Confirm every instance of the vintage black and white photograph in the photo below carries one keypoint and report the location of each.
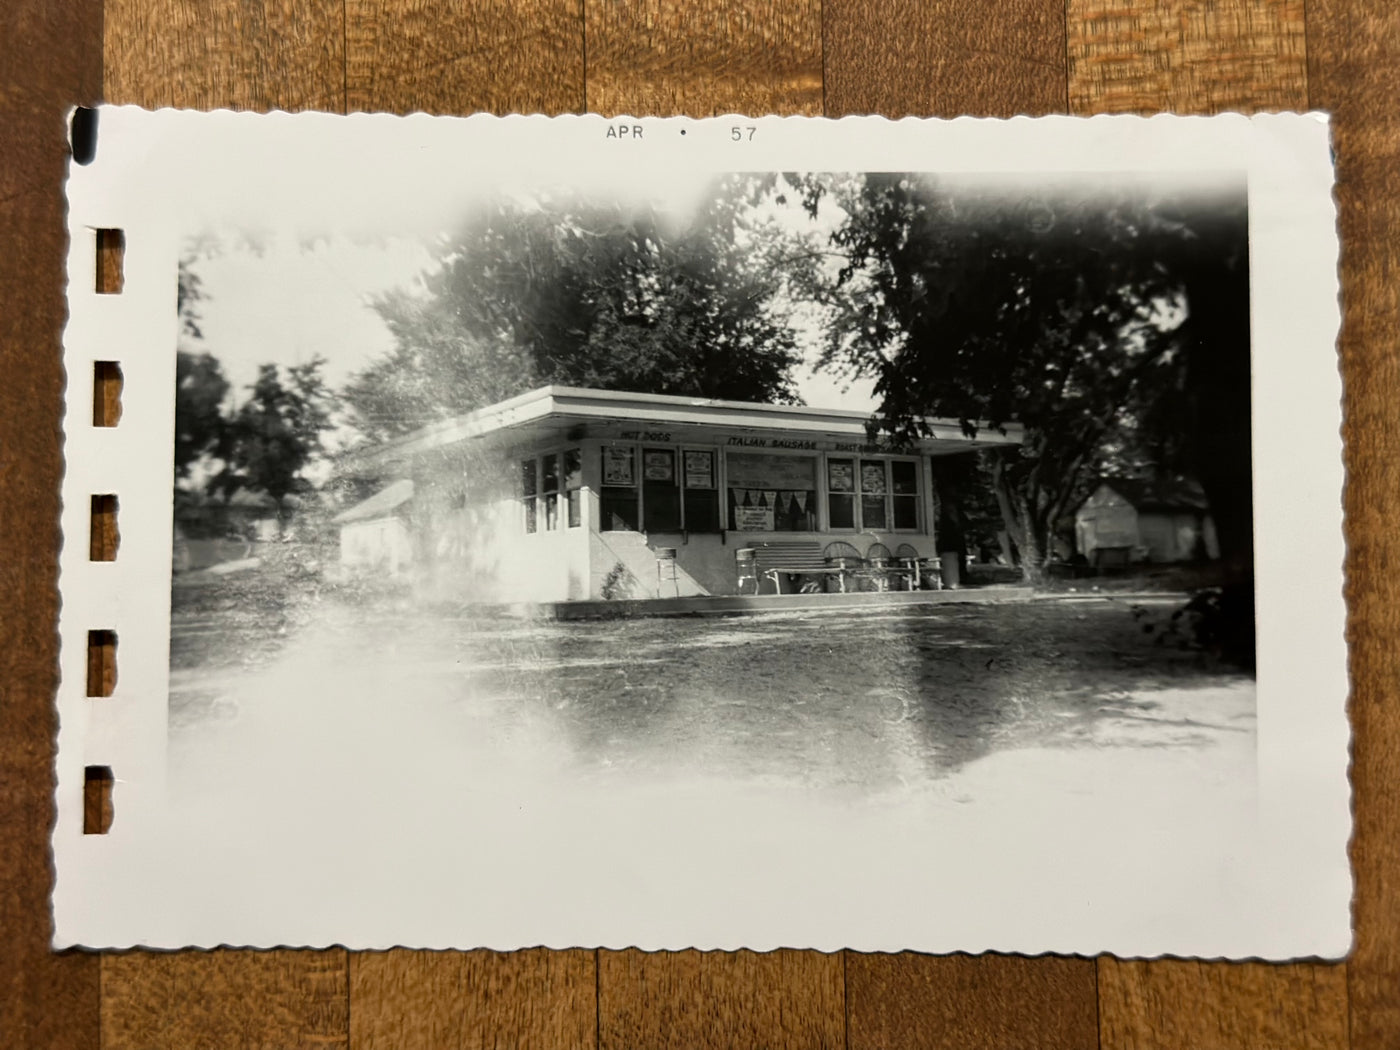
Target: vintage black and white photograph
(724, 554)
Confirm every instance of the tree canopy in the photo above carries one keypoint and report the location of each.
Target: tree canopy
(558, 288)
(276, 434)
(1098, 319)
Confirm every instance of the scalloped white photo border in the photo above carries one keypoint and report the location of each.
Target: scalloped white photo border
(1282, 891)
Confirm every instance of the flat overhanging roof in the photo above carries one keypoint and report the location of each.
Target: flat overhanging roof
(557, 411)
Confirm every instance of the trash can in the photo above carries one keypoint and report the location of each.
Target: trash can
(666, 572)
(952, 568)
(746, 565)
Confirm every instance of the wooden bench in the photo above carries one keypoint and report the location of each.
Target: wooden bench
(776, 558)
(792, 558)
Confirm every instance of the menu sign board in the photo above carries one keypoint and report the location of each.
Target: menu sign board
(659, 465)
(872, 478)
(699, 470)
(840, 476)
(618, 466)
(753, 519)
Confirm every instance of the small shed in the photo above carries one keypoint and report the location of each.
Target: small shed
(1145, 521)
(375, 533)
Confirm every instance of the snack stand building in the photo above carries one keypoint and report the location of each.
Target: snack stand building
(565, 493)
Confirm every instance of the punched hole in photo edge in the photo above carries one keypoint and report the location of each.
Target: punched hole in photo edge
(104, 538)
(111, 250)
(98, 809)
(106, 393)
(82, 135)
(101, 663)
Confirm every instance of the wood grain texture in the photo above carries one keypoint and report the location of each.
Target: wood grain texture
(964, 1002)
(1192, 57)
(894, 57)
(151, 1001)
(1234, 1006)
(50, 59)
(1201, 57)
(106, 393)
(103, 536)
(111, 250)
(944, 58)
(781, 999)
(101, 662)
(498, 56)
(1185, 56)
(403, 1000)
(704, 57)
(240, 54)
(98, 809)
(1353, 70)
(663, 57)
(235, 54)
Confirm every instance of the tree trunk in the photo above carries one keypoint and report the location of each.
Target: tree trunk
(1020, 526)
(1032, 553)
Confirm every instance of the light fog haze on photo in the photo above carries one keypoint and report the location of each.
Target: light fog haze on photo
(365, 681)
(693, 542)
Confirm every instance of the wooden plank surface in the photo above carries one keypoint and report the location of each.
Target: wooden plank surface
(1353, 70)
(782, 999)
(1193, 57)
(970, 1002)
(179, 1000)
(1225, 1006)
(212, 54)
(1186, 56)
(891, 56)
(50, 59)
(405, 1000)
(496, 56)
(501, 56)
(945, 59)
(704, 57)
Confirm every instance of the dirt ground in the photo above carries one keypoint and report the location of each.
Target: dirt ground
(867, 698)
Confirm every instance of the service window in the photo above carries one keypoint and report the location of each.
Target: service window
(661, 492)
(549, 491)
(874, 495)
(904, 486)
(617, 500)
(573, 486)
(529, 489)
(841, 493)
(701, 492)
(771, 492)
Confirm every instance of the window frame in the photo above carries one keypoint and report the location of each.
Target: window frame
(639, 486)
(544, 498)
(858, 494)
(815, 456)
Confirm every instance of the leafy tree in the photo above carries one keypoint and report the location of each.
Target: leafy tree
(200, 391)
(567, 290)
(200, 385)
(1080, 315)
(276, 434)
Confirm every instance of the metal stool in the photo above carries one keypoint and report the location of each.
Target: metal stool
(666, 570)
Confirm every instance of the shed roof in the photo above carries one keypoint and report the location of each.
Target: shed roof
(1169, 494)
(380, 505)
